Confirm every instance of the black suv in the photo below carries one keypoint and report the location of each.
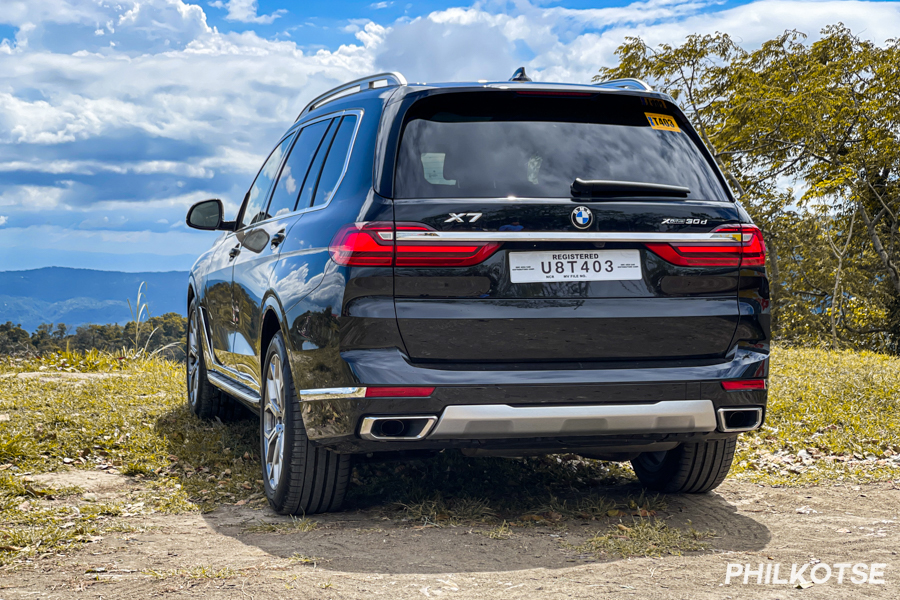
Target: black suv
(507, 269)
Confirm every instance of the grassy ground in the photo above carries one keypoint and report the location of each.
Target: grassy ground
(832, 416)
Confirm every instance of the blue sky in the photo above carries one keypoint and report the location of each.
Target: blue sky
(116, 115)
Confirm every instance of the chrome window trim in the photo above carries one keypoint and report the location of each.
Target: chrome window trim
(564, 236)
(240, 215)
(359, 117)
(295, 130)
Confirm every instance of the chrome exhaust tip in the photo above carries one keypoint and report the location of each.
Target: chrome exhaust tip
(739, 418)
(396, 428)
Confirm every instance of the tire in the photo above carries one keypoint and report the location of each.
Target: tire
(204, 399)
(299, 478)
(687, 469)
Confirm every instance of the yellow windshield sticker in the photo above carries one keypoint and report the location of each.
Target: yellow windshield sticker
(662, 122)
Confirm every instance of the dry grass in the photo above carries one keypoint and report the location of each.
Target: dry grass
(196, 572)
(644, 537)
(832, 416)
(296, 525)
(100, 413)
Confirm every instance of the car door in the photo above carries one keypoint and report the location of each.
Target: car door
(261, 237)
(252, 212)
(217, 304)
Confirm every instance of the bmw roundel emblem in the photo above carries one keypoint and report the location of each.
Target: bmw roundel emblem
(582, 217)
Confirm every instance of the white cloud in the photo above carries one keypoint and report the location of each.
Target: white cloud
(92, 167)
(381, 5)
(177, 111)
(3, 219)
(33, 197)
(245, 11)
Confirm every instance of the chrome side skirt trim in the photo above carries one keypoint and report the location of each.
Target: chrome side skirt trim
(232, 388)
(504, 421)
(565, 236)
(332, 393)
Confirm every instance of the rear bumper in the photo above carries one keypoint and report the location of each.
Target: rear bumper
(538, 408)
(501, 421)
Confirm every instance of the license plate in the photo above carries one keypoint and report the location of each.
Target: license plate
(597, 265)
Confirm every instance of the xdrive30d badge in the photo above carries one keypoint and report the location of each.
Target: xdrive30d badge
(503, 269)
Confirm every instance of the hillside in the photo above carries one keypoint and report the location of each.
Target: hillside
(79, 296)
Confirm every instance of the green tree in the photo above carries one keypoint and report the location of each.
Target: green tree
(14, 339)
(825, 116)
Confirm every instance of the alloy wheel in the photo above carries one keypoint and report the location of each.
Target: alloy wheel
(193, 361)
(273, 421)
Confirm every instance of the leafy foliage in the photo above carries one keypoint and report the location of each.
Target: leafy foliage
(164, 334)
(823, 117)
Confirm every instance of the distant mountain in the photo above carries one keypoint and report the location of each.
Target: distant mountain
(79, 296)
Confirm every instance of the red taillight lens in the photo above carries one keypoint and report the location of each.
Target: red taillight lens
(374, 245)
(439, 254)
(744, 385)
(750, 251)
(398, 392)
(364, 245)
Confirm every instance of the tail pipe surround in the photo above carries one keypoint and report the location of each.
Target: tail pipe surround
(739, 418)
(396, 427)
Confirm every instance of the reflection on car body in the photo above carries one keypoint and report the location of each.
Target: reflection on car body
(509, 268)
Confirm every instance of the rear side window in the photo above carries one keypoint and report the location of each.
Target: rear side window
(494, 145)
(259, 191)
(287, 190)
(312, 177)
(337, 158)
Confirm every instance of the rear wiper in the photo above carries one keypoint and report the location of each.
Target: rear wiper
(604, 187)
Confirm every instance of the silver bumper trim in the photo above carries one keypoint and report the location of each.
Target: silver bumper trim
(504, 421)
(332, 393)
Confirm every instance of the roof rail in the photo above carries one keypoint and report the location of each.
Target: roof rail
(629, 83)
(365, 83)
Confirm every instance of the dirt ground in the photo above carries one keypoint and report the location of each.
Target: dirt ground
(223, 554)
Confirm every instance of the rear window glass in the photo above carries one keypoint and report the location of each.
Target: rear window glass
(494, 145)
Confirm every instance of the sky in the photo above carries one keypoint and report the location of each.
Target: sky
(117, 115)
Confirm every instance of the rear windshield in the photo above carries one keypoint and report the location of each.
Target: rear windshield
(499, 144)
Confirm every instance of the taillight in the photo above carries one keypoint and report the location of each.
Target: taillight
(399, 392)
(374, 245)
(364, 245)
(746, 250)
(743, 385)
